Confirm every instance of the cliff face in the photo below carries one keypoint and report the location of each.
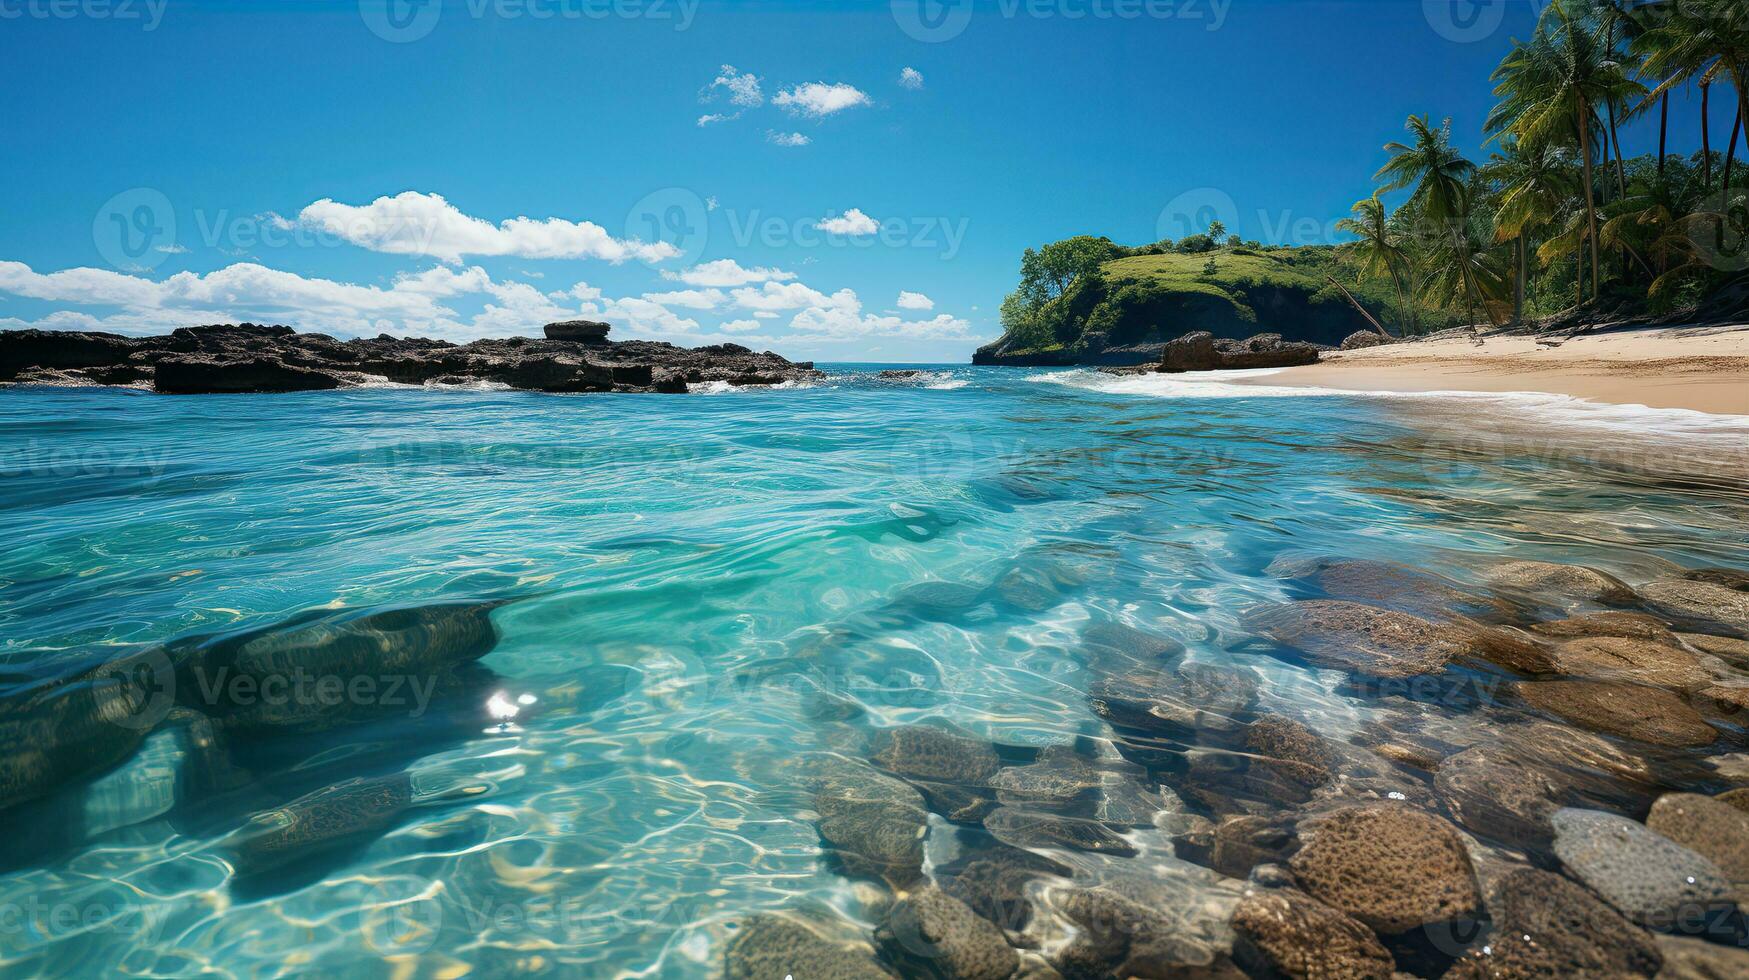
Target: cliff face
(1125, 315)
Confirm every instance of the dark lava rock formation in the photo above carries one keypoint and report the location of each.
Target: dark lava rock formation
(576, 356)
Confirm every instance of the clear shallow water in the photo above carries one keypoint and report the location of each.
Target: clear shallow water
(684, 576)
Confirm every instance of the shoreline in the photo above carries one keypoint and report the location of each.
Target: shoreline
(1698, 369)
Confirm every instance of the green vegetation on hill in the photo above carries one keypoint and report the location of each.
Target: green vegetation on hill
(1124, 298)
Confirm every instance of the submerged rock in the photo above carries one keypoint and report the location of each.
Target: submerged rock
(1386, 584)
(318, 822)
(324, 668)
(1546, 926)
(1701, 602)
(1305, 939)
(62, 727)
(1697, 959)
(1362, 639)
(1630, 660)
(992, 879)
(1388, 865)
(1649, 878)
(1730, 578)
(1172, 922)
(954, 770)
(1645, 714)
(929, 932)
(1177, 703)
(1495, 795)
(1031, 829)
(1540, 581)
(1715, 830)
(769, 946)
(873, 824)
(1637, 626)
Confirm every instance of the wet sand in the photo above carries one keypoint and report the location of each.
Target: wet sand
(1702, 369)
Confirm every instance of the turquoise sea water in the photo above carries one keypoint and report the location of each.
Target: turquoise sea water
(686, 581)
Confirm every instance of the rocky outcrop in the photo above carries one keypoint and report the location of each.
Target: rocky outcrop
(576, 356)
(1362, 339)
(1201, 351)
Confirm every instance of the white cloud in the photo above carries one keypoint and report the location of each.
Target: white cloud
(715, 117)
(852, 222)
(915, 301)
(724, 273)
(692, 299)
(413, 304)
(817, 99)
(414, 223)
(773, 296)
(644, 318)
(911, 78)
(739, 326)
(742, 88)
(786, 139)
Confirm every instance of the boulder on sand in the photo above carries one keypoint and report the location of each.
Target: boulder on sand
(1362, 339)
(1201, 351)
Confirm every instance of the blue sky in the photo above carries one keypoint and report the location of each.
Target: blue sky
(172, 162)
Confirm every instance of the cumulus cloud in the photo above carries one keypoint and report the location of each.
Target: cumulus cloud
(911, 78)
(915, 301)
(643, 317)
(739, 326)
(818, 99)
(415, 223)
(692, 299)
(741, 87)
(413, 303)
(774, 296)
(852, 222)
(724, 273)
(786, 139)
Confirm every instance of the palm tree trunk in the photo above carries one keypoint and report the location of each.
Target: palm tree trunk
(1663, 133)
(1731, 161)
(1590, 197)
(1518, 286)
(1706, 137)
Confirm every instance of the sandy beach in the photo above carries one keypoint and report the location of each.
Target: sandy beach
(1703, 369)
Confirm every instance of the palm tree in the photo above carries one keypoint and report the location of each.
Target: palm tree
(1654, 223)
(1376, 251)
(1533, 179)
(1706, 40)
(1440, 176)
(1551, 86)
